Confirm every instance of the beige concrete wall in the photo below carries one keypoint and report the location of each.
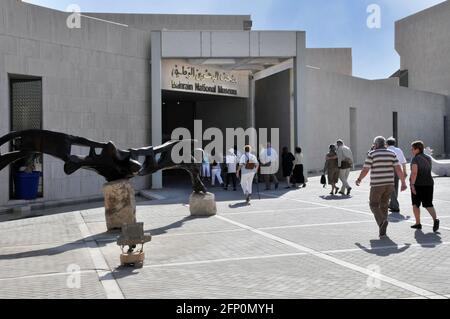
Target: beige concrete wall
(423, 42)
(337, 60)
(95, 84)
(329, 97)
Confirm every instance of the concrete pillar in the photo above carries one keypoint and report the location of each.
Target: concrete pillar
(300, 112)
(156, 100)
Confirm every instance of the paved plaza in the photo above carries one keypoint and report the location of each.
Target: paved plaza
(290, 244)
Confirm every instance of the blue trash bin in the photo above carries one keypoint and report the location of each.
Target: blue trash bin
(26, 185)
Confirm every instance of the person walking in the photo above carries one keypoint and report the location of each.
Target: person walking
(298, 176)
(287, 163)
(383, 165)
(394, 205)
(345, 164)
(269, 166)
(422, 185)
(206, 169)
(332, 169)
(231, 161)
(248, 166)
(216, 173)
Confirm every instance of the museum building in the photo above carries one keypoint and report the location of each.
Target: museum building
(134, 78)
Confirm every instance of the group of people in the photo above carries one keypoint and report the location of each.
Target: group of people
(246, 166)
(387, 165)
(338, 165)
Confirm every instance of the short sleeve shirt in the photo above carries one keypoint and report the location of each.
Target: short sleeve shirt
(382, 163)
(424, 164)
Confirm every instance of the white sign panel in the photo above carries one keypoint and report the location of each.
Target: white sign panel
(178, 75)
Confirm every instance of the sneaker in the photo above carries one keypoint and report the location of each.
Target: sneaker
(436, 225)
(304, 185)
(383, 228)
(349, 191)
(417, 226)
(394, 211)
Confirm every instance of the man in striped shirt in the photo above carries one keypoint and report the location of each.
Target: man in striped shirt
(383, 165)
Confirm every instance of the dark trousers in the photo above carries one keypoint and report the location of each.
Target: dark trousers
(233, 178)
(394, 204)
(268, 177)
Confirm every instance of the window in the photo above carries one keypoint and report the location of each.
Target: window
(26, 113)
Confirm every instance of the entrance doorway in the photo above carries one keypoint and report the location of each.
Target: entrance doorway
(180, 110)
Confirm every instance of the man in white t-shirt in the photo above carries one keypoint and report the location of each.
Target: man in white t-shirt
(248, 165)
(394, 205)
(269, 165)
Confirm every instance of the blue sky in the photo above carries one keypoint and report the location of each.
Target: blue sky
(328, 23)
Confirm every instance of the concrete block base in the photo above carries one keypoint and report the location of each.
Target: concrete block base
(202, 205)
(120, 204)
(134, 259)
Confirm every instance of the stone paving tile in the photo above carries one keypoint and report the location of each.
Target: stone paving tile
(298, 277)
(54, 287)
(426, 267)
(347, 236)
(39, 233)
(192, 248)
(42, 259)
(298, 217)
(209, 258)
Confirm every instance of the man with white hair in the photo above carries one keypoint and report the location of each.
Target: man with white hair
(394, 205)
(383, 165)
(345, 164)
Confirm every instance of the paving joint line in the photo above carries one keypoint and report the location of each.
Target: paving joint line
(106, 278)
(403, 285)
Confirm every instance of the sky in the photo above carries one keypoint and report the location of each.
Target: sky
(328, 23)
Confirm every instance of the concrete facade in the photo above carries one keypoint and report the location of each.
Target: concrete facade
(423, 43)
(103, 82)
(338, 60)
(96, 83)
(420, 115)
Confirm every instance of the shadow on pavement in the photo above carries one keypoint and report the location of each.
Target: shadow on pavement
(429, 240)
(335, 197)
(383, 247)
(398, 218)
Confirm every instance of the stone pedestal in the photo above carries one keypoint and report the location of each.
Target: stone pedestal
(120, 204)
(134, 259)
(202, 205)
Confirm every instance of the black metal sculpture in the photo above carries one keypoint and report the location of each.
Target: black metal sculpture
(104, 158)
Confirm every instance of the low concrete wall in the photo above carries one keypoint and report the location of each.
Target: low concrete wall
(329, 97)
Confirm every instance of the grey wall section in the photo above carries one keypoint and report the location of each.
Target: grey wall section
(153, 22)
(337, 60)
(96, 84)
(420, 114)
(272, 105)
(423, 42)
